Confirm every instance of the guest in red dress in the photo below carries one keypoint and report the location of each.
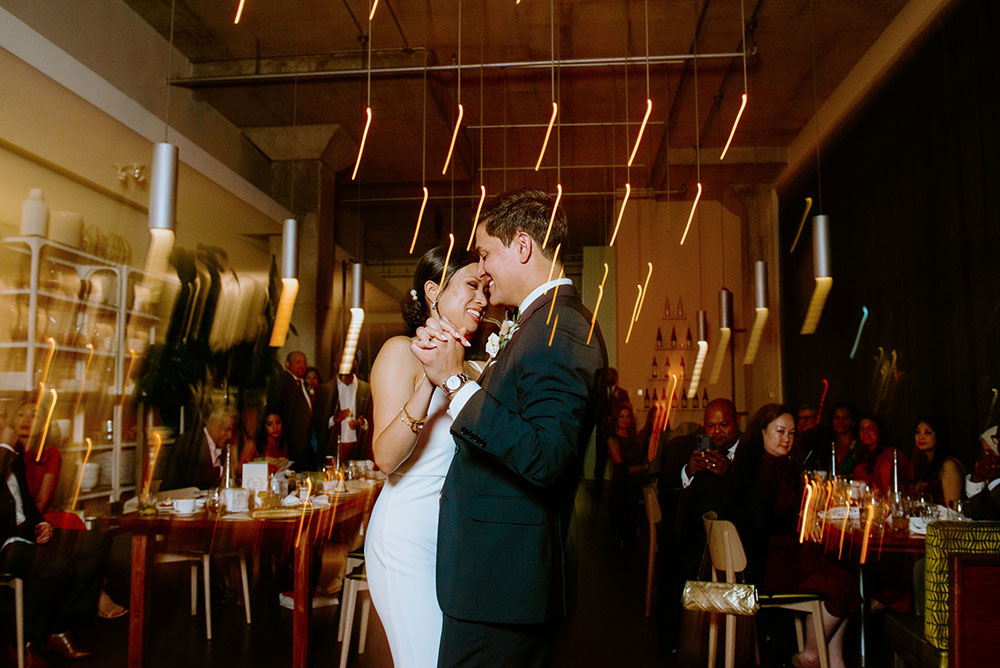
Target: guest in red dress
(763, 498)
(937, 476)
(873, 457)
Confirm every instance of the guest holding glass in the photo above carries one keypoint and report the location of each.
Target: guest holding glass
(937, 476)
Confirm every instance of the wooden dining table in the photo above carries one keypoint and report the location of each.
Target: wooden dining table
(301, 534)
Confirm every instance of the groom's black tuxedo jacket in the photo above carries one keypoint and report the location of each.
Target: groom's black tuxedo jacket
(508, 497)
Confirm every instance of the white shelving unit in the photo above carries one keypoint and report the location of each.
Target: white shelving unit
(76, 307)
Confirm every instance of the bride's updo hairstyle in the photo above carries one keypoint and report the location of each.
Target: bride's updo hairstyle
(415, 306)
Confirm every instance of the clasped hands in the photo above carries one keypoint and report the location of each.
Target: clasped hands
(440, 347)
(712, 461)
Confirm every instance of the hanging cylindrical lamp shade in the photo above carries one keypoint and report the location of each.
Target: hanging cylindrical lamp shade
(822, 271)
(699, 361)
(725, 332)
(357, 319)
(289, 282)
(163, 187)
(760, 308)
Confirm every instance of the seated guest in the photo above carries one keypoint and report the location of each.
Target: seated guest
(57, 590)
(873, 457)
(200, 460)
(811, 448)
(42, 474)
(267, 442)
(289, 394)
(937, 476)
(983, 485)
(628, 473)
(844, 429)
(763, 497)
(692, 479)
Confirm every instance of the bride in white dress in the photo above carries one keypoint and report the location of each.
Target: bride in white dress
(413, 444)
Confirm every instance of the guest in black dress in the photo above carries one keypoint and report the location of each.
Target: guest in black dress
(763, 497)
(629, 468)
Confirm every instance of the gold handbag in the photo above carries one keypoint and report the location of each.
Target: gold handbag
(722, 597)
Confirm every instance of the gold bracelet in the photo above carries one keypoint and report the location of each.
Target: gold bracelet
(414, 424)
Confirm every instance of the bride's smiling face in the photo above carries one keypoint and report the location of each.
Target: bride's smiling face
(464, 300)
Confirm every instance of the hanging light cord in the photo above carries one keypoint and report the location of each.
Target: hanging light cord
(170, 67)
(812, 47)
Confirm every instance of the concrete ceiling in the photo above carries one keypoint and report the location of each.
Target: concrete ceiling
(305, 63)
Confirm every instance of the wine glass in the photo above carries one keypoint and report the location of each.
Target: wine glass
(213, 501)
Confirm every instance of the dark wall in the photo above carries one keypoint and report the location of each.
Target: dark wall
(912, 188)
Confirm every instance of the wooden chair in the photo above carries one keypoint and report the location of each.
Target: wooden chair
(653, 516)
(355, 582)
(17, 584)
(726, 551)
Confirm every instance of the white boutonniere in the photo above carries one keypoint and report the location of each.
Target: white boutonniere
(497, 342)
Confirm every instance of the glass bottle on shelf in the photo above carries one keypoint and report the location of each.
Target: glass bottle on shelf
(682, 366)
(673, 400)
(653, 400)
(645, 399)
(687, 339)
(666, 307)
(653, 368)
(659, 339)
(666, 366)
(704, 397)
(673, 338)
(684, 397)
(680, 307)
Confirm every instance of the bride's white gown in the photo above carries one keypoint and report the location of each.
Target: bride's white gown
(401, 545)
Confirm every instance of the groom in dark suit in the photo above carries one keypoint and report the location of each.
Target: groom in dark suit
(504, 575)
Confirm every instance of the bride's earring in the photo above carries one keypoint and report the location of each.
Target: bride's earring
(434, 305)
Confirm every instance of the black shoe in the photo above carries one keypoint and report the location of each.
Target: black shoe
(63, 645)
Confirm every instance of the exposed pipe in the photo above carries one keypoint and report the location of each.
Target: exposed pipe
(327, 75)
(636, 194)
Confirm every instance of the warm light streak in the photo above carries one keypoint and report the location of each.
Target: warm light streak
(555, 293)
(447, 259)
(756, 331)
(371, 14)
(628, 191)
(83, 467)
(554, 325)
(802, 223)
(475, 221)
(720, 354)
(642, 128)
(805, 513)
(454, 136)
(861, 326)
(691, 215)
(548, 131)
(283, 314)
(48, 421)
(815, 310)
(843, 528)
(552, 267)
(152, 467)
(739, 114)
(45, 372)
(239, 13)
(555, 208)
(83, 380)
(822, 399)
(420, 217)
(605, 277)
(128, 374)
(593, 318)
(645, 286)
(673, 388)
(351, 341)
(364, 137)
(868, 531)
(635, 309)
(305, 506)
(699, 362)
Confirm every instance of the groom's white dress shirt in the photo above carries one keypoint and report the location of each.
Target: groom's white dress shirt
(470, 388)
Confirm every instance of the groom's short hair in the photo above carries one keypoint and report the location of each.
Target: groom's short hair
(528, 211)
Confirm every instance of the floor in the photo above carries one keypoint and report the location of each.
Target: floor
(608, 627)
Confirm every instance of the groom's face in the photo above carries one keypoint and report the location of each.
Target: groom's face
(498, 262)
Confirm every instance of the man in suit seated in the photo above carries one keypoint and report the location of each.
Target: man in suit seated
(56, 591)
(201, 461)
(692, 482)
(983, 485)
